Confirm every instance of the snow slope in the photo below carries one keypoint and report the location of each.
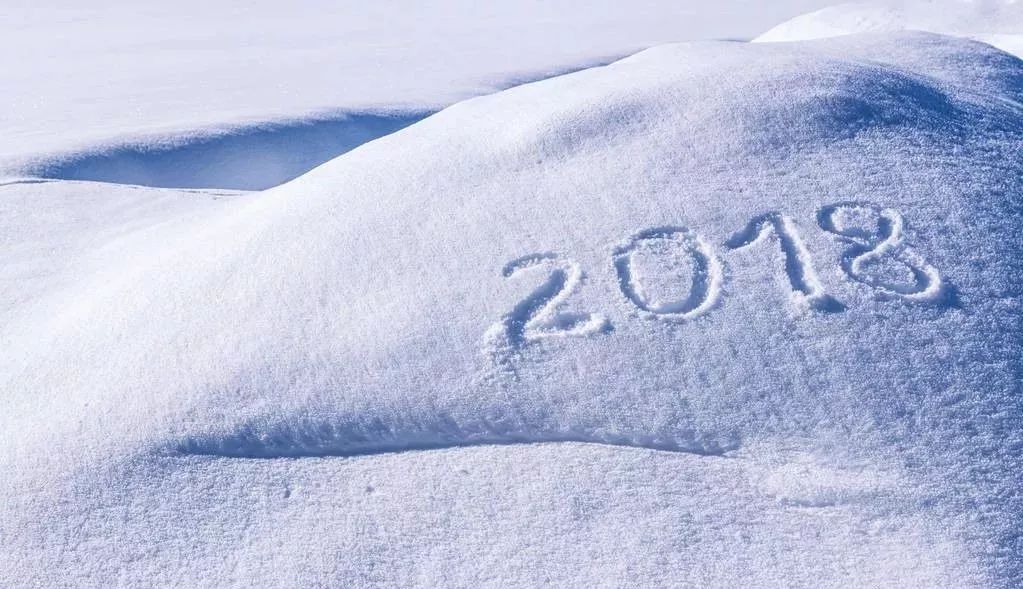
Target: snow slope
(718, 314)
(998, 22)
(48, 227)
(104, 90)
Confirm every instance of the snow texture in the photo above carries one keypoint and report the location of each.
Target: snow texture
(718, 314)
(197, 94)
(998, 22)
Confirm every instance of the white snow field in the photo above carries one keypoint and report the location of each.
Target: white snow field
(246, 95)
(716, 315)
(998, 22)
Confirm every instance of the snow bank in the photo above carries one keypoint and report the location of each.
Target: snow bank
(130, 91)
(717, 314)
(998, 22)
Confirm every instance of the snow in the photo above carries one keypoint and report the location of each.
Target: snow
(998, 22)
(717, 314)
(99, 90)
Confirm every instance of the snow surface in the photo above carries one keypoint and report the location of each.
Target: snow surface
(998, 22)
(103, 90)
(718, 314)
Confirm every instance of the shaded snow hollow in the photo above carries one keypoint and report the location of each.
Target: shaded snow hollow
(792, 268)
(254, 156)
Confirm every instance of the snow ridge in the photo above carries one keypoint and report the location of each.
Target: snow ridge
(308, 439)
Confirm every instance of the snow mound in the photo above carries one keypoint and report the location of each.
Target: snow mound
(997, 22)
(793, 267)
(93, 89)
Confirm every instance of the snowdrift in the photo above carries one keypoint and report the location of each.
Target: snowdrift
(998, 22)
(774, 287)
(102, 91)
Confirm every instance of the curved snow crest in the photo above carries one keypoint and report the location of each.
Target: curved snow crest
(996, 22)
(243, 156)
(348, 311)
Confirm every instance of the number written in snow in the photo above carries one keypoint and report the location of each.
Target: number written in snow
(874, 235)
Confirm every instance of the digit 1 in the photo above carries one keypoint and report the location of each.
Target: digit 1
(806, 287)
